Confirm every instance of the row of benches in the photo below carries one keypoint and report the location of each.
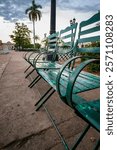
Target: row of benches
(71, 78)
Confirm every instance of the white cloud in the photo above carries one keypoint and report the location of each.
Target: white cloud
(63, 16)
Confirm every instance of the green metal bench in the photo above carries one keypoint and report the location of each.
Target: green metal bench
(31, 57)
(71, 80)
(61, 52)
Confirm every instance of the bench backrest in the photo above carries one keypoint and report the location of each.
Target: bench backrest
(62, 42)
(89, 36)
(67, 37)
(52, 41)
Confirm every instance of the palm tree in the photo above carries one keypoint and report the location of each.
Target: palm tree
(34, 14)
(37, 38)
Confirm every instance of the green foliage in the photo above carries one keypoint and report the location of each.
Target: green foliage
(37, 45)
(94, 67)
(21, 36)
(44, 43)
(62, 44)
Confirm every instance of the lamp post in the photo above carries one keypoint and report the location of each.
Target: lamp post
(73, 21)
(53, 17)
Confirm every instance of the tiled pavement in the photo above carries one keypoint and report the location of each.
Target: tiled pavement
(21, 127)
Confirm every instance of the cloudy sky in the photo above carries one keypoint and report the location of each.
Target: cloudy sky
(12, 11)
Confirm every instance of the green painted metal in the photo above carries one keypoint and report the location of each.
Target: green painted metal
(91, 30)
(70, 28)
(93, 19)
(73, 78)
(68, 36)
(53, 35)
(89, 39)
(89, 113)
(70, 79)
(52, 41)
(47, 65)
(89, 50)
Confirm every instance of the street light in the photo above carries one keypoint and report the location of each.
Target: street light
(72, 21)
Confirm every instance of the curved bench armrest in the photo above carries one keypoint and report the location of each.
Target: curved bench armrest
(73, 78)
(37, 57)
(25, 54)
(28, 55)
(31, 54)
(68, 62)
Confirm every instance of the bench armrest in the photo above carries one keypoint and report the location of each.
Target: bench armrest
(38, 57)
(64, 66)
(27, 54)
(73, 78)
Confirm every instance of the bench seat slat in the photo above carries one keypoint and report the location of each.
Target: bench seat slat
(90, 75)
(47, 78)
(48, 65)
(82, 83)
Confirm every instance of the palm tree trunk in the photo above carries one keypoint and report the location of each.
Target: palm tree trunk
(34, 32)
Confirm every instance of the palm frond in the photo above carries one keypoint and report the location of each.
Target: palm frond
(39, 6)
(30, 16)
(39, 14)
(28, 9)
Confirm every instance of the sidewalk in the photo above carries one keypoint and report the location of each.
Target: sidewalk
(21, 127)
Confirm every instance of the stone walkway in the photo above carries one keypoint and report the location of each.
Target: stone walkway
(21, 127)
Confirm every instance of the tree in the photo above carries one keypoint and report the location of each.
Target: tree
(21, 36)
(34, 14)
(37, 38)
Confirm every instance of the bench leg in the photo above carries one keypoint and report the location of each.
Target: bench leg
(81, 137)
(30, 85)
(29, 73)
(44, 100)
(27, 69)
(56, 128)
